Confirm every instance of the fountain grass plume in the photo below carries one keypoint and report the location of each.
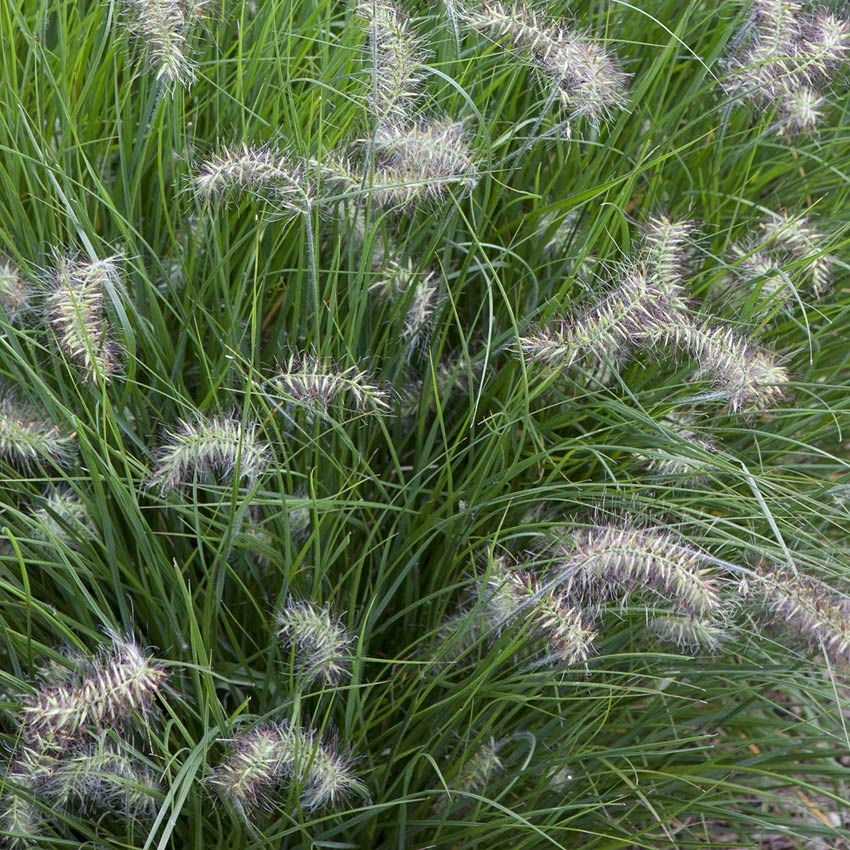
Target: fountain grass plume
(108, 692)
(318, 642)
(218, 449)
(588, 79)
(618, 558)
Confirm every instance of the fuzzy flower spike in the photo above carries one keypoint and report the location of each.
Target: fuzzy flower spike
(107, 692)
(319, 643)
(588, 79)
(218, 449)
(163, 28)
(77, 308)
(619, 558)
(397, 59)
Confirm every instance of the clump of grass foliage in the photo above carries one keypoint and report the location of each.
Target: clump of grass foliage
(424, 425)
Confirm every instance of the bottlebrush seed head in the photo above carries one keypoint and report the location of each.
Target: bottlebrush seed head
(808, 610)
(319, 642)
(749, 379)
(64, 516)
(511, 596)
(77, 309)
(691, 635)
(589, 81)
(162, 27)
(617, 559)
(14, 293)
(397, 57)
(265, 759)
(635, 308)
(110, 691)
(795, 240)
(665, 250)
(218, 449)
(263, 172)
(685, 468)
(476, 774)
(21, 821)
(100, 776)
(258, 761)
(316, 383)
(26, 438)
(323, 773)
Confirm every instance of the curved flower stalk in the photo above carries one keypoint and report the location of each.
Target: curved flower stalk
(319, 643)
(265, 760)
(786, 61)
(617, 559)
(106, 692)
(397, 59)
(610, 328)
(806, 609)
(316, 383)
(77, 309)
(749, 379)
(217, 449)
(587, 78)
(262, 172)
(26, 438)
(163, 29)
(512, 597)
(14, 293)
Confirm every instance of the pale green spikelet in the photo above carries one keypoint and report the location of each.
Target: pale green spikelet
(14, 292)
(319, 643)
(63, 516)
(21, 821)
(692, 635)
(218, 449)
(316, 383)
(77, 309)
(519, 600)
(26, 438)
(262, 172)
(475, 775)
(806, 610)
(163, 28)
(397, 59)
(665, 250)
